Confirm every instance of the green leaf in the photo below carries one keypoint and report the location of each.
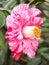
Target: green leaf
(43, 45)
(1, 0)
(41, 50)
(44, 7)
(35, 1)
(47, 0)
(3, 49)
(45, 29)
(45, 26)
(9, 4)
(21, 1)
(35, 61)
(6, 10)
(13, 62)
(2, 19)
(43, 62)
(45, 55)
(46, 23)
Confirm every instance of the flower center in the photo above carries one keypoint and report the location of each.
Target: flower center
(31, 31)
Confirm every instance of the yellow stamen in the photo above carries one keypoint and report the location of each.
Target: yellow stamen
(36, 32)
(31, 31)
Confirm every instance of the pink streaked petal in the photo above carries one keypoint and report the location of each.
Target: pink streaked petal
(16, 56)
(20, 36)
(22, 16)
(38, 21)
(9, 36)
(15, 46)
(30, 46)
(16, 25)
(18, 9)
(9, 21)
(13, 33)
(31, 54)
(21, 12)
(13, 36)
(20, 46)
(35, 11)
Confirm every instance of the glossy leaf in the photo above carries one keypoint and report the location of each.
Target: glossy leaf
(47, 0)
(3, 49)
(44, 7)
(2, 19)
(9, 4)
(45, 55)
(35, 61)
(35, 1)
(41, 50)
(43, 62)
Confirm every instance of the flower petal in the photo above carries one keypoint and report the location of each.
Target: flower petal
(15, 45)
(36, 21)
(16, 56)
(9, 21)
(35, 11)
(30, 47)
(20, 17)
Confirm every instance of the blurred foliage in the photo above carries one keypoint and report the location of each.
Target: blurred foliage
(42, 56)
(2, 19)
(3, 49)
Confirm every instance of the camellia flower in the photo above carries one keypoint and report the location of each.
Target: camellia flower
(23, 30)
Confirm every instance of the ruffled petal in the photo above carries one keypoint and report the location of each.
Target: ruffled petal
(9, 21)
(36, 21)
(35, 11)
(22, 14)
(20, 17)
(18, 9)
(30, 47)
(15, 45)
(13, 31)
(16, 56)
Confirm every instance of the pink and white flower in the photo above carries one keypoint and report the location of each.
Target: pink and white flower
(23, 30)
